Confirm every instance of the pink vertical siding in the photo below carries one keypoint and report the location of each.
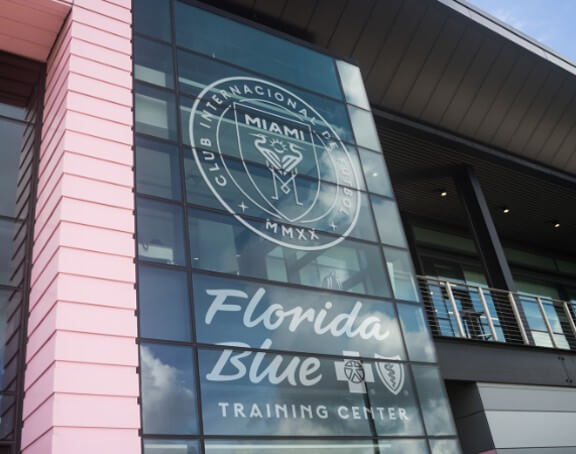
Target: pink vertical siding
(81, 378)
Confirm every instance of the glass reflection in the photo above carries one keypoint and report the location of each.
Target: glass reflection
(247, 393)
(220, 243)
(230, 310)
(433, 401)
(171, 447)
(255, 179)
(416, 334)
(11, 133)
(352, 84)
(4, 302)
(160, 232)
(445, 447)
(399, 267)
(157, 169)
(155, 112)
(364, 128)
(7, 232)
(163, 305)
(316, 446)
(388, 222)
(152, 17)
(376, 173)
(246, 46)
(153, 62)
(168, 390)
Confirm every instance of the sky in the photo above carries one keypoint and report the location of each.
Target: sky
(552, 22)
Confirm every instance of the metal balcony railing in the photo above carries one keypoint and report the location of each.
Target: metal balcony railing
(466, 311)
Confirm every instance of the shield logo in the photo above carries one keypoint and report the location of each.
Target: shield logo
(391, 374)
(284, 146)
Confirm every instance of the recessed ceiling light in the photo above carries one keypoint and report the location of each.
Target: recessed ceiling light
(556, 225)
(443, 193)
(505, 210)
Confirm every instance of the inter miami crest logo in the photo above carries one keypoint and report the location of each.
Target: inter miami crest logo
(275, 163)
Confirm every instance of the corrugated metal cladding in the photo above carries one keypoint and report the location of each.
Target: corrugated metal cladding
(430, 62)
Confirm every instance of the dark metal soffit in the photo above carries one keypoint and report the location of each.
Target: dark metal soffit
(444, 63)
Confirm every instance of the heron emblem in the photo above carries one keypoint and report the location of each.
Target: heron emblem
(282, 158)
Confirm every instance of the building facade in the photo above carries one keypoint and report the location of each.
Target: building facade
(284, 226)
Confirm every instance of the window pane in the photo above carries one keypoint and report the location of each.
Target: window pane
(445, 447)
(253, 178)
(532, 313)
(399, 268)
(152, 17)
(11, 133)
(163, 304)
(4, 301)
(249, 393)
(376, 173)
(388, 222)
(157, 169)
(153, 62)
(328, 113)
(364, 128)
(11, 111)
(316, 446)
(7, 232)
(155, 112)
(160, 232)
(168, 390)
(258, 314)
(171, 447)
(352, 84)
(416, 334)
(242, 45)
(221, 243)
(433, 401)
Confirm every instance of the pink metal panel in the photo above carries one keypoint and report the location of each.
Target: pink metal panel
(96, 20)
(29, 27)
(87, 441)
(108, 74)
(81, 380)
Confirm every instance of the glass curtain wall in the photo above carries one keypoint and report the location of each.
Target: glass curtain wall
(278, 309)
(20, 102)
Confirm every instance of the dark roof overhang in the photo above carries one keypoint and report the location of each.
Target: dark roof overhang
(445, 64)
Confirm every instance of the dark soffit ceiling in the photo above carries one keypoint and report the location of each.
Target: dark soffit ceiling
(444, 63)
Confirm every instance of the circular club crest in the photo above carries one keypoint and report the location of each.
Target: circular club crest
(275, 163)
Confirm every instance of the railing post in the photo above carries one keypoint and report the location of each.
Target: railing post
(518, 318)
(570, 318)
(487, 314)
(546, 321)
(455, 309)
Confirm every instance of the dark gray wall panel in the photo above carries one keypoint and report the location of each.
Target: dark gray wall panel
(468, 88)
(434, 67)
(416, 55)
(349, 29)
(455, 73)
(394, 48)
(297, 13)
(537, 112)
(497, 397)
(374, 33)
(325, 20)
(488, 91)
